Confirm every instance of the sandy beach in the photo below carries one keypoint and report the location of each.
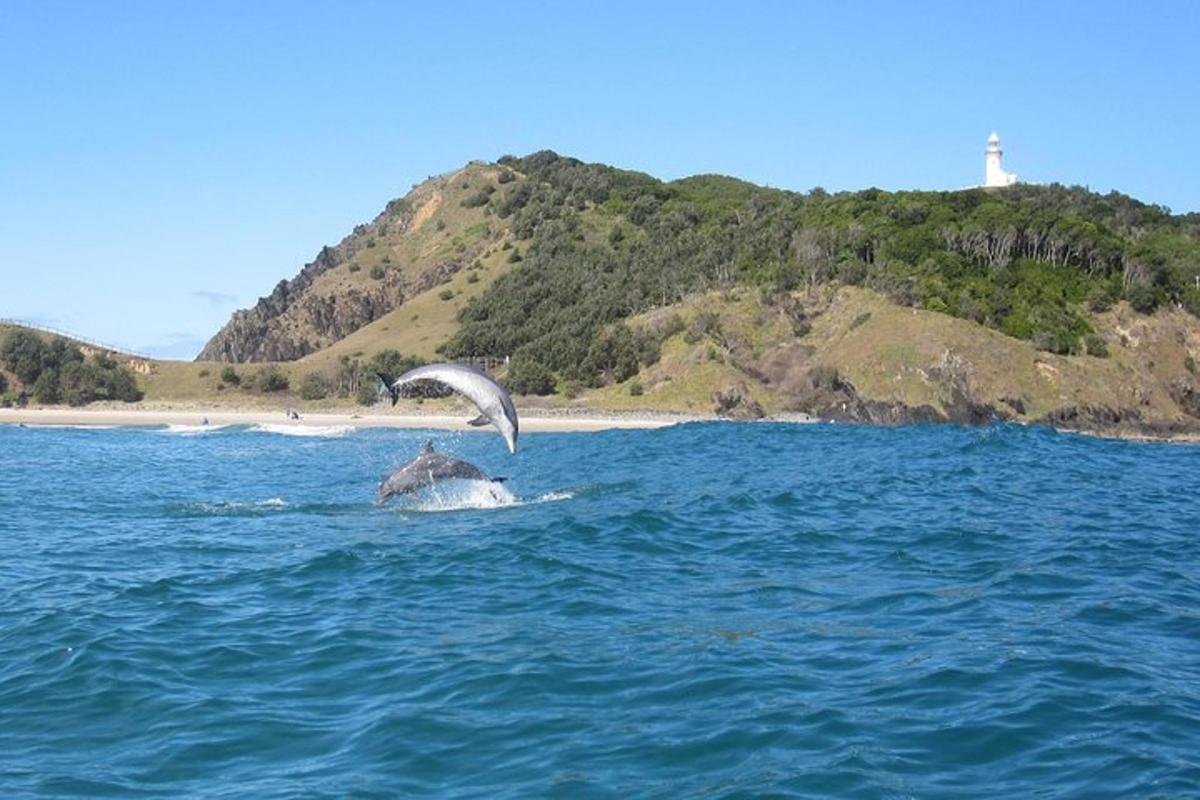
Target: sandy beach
(531, 421)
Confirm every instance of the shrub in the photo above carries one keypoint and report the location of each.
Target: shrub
(571, 389)
(22, 354)
(441, 225)
(674, 324)
(203, 373)
(1191, 300)
(392, 362)
(314, 387)
(229, 375)
(473, 277)
(1055, 341)
(1144, 298)
(707, 323)
(1101, 298)
(8, 400)
(526, 376)
(354, 267)
(367, 393)
(480, 198)
(506, 176)
(514, 256)
(270, 379)
(1095, 346)
(635, 388)
(1189, 364)
(45, 388)
(377, 272)
(446, 294)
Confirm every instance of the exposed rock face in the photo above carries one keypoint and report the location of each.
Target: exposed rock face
(291, 322)
(310, 311)
(735, 402)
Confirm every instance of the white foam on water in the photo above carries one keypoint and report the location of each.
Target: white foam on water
(192, 430)
(235, 506)
(459, 495)
(550, 497)
(304, 430)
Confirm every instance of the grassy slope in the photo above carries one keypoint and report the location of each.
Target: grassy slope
(896, 354)
(422, 322)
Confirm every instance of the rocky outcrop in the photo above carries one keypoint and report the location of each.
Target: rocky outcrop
(303, 315)
(292, 323)
(735, 402)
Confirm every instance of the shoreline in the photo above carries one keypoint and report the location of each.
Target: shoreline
(531, 421)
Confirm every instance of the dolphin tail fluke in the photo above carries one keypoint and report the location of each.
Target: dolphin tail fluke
(388, 381)
(499, 479)
(479, 421)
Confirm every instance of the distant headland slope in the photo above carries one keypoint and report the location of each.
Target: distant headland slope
(710, 293)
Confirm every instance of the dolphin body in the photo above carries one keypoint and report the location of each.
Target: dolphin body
(424, 470)
(493, 401)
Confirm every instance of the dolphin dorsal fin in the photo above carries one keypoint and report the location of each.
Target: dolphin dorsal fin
(428, 446)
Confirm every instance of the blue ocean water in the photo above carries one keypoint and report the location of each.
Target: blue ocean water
(708, 610)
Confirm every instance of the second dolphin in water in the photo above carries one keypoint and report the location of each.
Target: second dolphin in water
(425, 470)
(493, 401)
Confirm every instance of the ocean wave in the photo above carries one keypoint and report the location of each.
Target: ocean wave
(193, 430)
(304, 430)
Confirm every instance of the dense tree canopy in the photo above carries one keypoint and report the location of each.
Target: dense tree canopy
(57, 371)
(1031, 261)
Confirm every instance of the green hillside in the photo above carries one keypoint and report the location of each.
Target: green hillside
(1036, 263)
(613, 290)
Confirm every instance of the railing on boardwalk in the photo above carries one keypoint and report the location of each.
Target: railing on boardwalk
(110, 348)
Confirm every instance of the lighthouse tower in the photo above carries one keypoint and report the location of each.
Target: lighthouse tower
(994, 174)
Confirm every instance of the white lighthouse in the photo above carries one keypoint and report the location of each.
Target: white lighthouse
(994, 174)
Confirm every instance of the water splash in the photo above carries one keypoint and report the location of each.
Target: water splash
(459, 495)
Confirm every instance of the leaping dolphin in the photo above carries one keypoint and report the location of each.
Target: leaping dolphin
(424, 470)
(492, 400)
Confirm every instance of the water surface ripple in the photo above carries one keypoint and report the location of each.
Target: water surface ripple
(709, 610)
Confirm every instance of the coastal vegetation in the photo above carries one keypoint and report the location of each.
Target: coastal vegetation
(57, 371)
(1034, 262)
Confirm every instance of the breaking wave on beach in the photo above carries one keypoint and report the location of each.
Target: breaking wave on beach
(304, 430)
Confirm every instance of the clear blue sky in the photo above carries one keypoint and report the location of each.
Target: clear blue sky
(162, 163)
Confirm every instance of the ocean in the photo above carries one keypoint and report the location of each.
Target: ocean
(707, 610)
